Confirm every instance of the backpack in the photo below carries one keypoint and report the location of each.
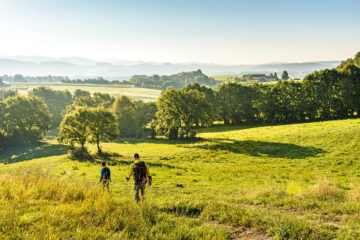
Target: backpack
(140, 172)
(106, 173)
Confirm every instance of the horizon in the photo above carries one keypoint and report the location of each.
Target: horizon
(211, 32)
(117, 61)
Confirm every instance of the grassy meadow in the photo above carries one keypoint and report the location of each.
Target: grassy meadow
(115, 90)
(298, 181)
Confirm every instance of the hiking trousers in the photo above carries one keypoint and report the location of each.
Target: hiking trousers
(105, 183)
(139, 188)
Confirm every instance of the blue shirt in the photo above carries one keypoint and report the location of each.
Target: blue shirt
(104, 171)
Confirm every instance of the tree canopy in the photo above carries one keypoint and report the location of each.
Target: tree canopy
(23, 120)
(285, 75)
(91, 125)
(172, 81)
(57, 101)
(179, 111)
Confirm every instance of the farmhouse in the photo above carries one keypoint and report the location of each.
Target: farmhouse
(261, 77)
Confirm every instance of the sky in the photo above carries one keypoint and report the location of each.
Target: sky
(223, 32)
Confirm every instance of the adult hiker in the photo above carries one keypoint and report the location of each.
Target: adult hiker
(105, 175)
(141, 173)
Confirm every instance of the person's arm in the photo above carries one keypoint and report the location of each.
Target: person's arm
(148, 174)
(101, 174)
(109, 175)
(131, 173)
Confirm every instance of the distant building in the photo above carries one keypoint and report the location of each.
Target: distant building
(115, 82)
(260, 77)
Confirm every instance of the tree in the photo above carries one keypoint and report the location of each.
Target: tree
(81, 93)
(357, 60)
(176, 80)
(75, 129)
(178, 111)
(103, 100)
(275, 75)
(84, 125)
(324, 88)
(102, 126)
(236, 103)
(24, 119)
(57, 101)
(144, 114)
(3, 129)
(350, 89)
(125, 111)
(7, 93)
(284, 75)
(19, 78)
(206, 118)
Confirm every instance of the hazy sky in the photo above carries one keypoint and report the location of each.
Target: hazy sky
(237, 32)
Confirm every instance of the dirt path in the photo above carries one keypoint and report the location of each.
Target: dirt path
(241, 232)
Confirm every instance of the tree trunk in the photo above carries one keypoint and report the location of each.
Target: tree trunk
(98, 147)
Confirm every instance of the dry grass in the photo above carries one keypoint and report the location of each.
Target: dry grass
(325, 190)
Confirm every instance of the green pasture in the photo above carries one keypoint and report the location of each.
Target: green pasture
(298, 181)
(226, 77)
(115, 90)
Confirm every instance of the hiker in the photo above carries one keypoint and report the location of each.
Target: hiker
(140, 172)
(105, 176)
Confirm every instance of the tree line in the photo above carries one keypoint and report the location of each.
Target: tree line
(322, 95)
(176, 81)
(19, 78)
(26, 119)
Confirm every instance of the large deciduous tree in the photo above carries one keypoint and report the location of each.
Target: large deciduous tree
(179, 111)
(75, 129)
(57, 101)
(125, 109)
(91, 125)
(24, 119)
(102, 126)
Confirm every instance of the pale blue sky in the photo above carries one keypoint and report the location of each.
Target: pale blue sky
(229, 32)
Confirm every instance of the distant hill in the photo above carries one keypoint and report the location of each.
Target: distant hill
(123, 70)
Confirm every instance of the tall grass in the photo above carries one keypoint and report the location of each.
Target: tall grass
(37, 205)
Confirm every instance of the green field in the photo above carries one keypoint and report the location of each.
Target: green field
(226, 77)
(298, 181)
(145, 94)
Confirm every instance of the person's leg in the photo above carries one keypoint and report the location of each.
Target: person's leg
(107, 185)
(143, 191)
(137, 188)
(103, 183)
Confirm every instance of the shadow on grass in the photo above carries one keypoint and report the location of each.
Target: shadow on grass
(264, 149)
(38, 150)
(220, 128)
(157, 141)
